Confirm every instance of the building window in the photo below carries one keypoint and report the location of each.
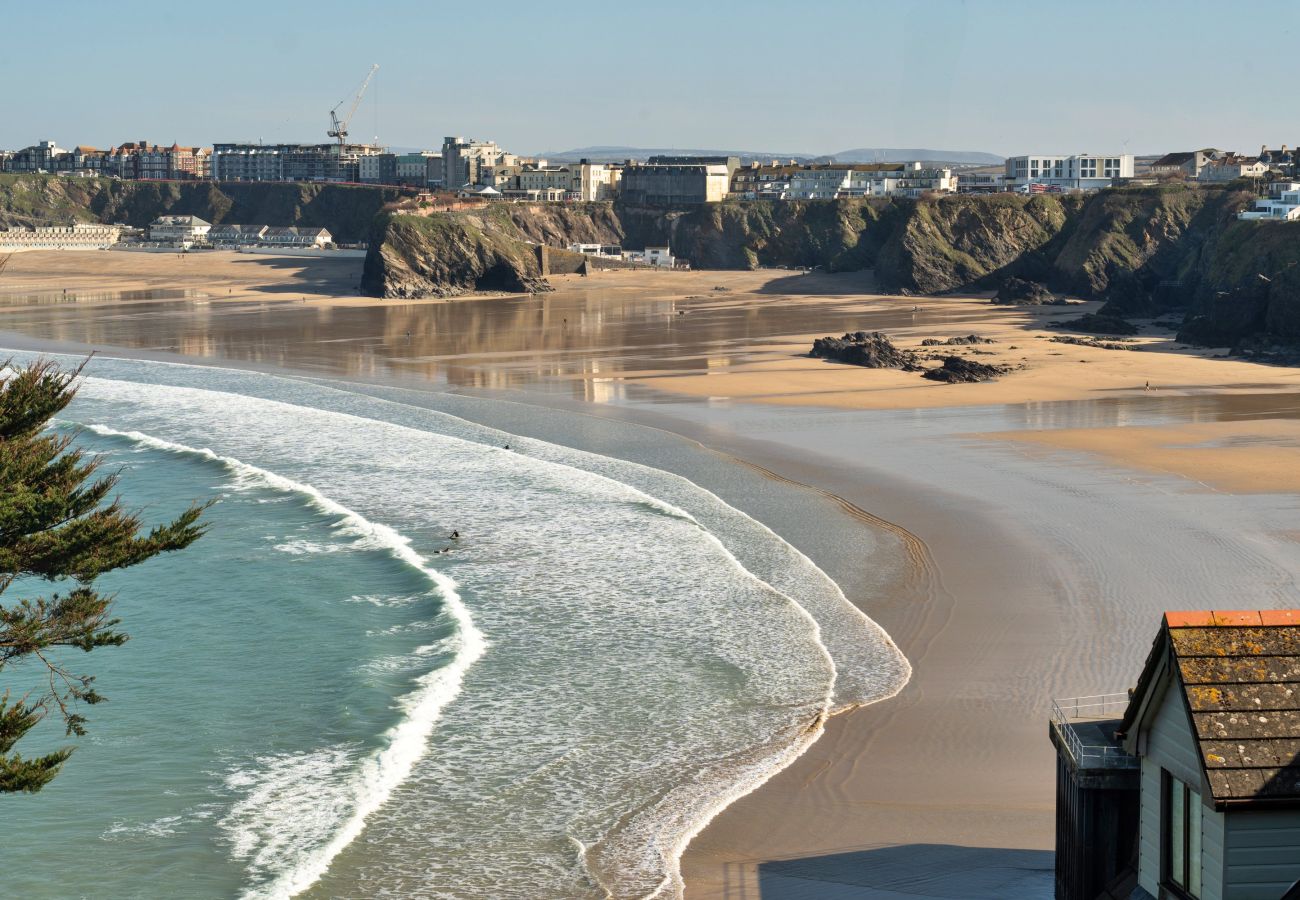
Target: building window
(1180, 830)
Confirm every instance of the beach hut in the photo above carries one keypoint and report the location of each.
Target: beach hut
(1214, 727)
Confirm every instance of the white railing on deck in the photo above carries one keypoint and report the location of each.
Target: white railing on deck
(1083, 709)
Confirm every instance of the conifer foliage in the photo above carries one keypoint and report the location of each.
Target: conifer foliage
(58, 524)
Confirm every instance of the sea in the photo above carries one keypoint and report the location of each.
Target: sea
(416, 656)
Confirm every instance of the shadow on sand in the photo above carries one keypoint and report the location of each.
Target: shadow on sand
(912, 872)
(306, 274)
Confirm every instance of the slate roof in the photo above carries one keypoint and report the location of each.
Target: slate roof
(1239, 674)
(1173, 159)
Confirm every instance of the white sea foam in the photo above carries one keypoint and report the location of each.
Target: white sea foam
(377, 775)
(665, 829)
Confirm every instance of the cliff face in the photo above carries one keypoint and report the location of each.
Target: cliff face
(1248, 286)
(1143, 250)
(346, 210)
(447, 254)
(970, 242)
(833, 234)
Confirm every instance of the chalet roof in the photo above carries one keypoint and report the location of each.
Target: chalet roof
(180, 220)
(1238, 673)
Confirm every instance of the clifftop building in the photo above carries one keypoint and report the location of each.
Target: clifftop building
(132, 160)
(829, 181)
(290, 162)
(468, 162)
(660, 183)
(1080, 172)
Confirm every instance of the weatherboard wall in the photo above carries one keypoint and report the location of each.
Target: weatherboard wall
(1171, 746)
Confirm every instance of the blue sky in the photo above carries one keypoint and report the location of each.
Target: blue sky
(812, 77)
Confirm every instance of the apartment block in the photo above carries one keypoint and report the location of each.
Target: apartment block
(1082, 171)
(290, 162)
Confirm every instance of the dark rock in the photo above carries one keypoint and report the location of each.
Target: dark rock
(1228, 317)
(1093, 342)
(957, 341)
(956, 370)
(1101, 324)
(872, 350)
(1019, 292)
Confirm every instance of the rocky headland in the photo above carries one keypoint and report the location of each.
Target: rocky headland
(1168, 251)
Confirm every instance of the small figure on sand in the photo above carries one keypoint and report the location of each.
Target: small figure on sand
(1148, 387)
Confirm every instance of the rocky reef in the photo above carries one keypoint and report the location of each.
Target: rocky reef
(1101, 323)
(1019, 292)
(959, 370)
(871, 350)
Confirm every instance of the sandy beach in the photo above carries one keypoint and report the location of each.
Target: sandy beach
(1034, 526)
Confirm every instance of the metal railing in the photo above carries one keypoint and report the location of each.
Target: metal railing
(1090, 755)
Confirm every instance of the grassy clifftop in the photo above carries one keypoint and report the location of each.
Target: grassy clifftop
(346, 210)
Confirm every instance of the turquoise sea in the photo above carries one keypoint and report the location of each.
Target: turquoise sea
(329, 696)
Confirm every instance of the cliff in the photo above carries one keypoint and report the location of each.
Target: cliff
(1146, 251)
(447, 254)
(346, 210)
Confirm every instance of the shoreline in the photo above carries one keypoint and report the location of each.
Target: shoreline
(955, 768)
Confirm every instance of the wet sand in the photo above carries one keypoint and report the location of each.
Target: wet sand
(1042, 521)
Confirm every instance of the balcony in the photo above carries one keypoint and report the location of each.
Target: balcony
(1083, 730)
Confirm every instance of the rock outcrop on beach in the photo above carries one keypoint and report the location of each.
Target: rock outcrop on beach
(958, 370)
(871, 350)
(1019, 292)
(960, 341)
(1101, 323)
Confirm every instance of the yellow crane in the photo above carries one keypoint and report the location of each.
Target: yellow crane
(339, 127)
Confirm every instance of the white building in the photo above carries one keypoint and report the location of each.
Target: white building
(541, 178)
(652, 256)
(1080, 172)
(1231, 168)
(607, 251)
(834, 180)
(236, 235)
(1285, 207)
(310, 238)
(597, 181)
(180, 231)
(62, 237)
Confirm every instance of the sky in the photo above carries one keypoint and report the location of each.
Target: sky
(814, 77)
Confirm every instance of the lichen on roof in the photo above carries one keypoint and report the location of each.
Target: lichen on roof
(1239, 674)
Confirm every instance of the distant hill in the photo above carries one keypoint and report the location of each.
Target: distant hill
(895, 154)
(618, 154)
(860, 154)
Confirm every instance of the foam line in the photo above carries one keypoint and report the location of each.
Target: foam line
(408, 739)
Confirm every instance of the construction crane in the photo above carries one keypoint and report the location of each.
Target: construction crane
(339, 128)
